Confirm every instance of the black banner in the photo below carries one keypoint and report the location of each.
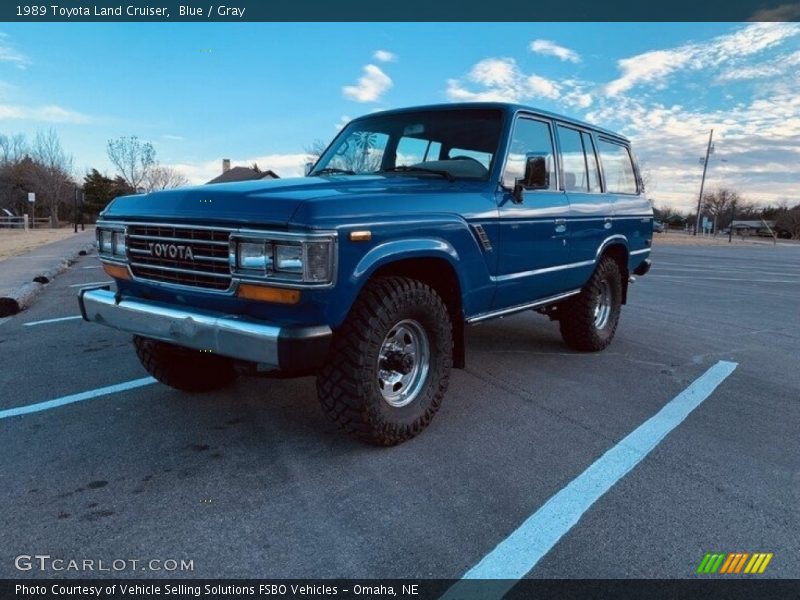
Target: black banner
(408, 10)
(402, 589)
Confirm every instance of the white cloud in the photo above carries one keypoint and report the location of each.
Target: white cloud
(9, 54)
(655, 66)
(549, 48)
(501, 80)
(370, 87)
(544, 88)
(50, 113)
(495, 71)
(384, 56)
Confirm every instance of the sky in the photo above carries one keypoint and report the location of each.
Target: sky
(264, 92)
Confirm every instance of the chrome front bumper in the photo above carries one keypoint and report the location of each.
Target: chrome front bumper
(296, 348)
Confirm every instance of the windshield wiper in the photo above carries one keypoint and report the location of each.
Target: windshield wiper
(328, 170)
(411, 169)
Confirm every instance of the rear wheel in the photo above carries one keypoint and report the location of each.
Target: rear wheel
(390, 362)
(589, 320)
(183, 368)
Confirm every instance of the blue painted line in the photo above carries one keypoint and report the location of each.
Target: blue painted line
(104, 391)
(515, 556)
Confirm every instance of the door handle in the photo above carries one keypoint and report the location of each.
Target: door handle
(561, 225)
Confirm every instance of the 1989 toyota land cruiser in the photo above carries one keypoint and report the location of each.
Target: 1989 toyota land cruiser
(411, 225)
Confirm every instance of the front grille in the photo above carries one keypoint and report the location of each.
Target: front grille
(180, 255)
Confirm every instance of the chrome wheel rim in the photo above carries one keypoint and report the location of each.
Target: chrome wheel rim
(403, 363)
(602, 308)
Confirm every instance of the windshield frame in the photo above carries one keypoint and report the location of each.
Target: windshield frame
(325, 158)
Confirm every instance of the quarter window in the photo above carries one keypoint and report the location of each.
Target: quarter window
(591, 162)
(617, 168)
(530, 138)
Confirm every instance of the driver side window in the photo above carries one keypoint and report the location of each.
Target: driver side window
(531, 137)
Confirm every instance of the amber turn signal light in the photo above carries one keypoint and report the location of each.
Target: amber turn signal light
(116, 271)
(268, 294)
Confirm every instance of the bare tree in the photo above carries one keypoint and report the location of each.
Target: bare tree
(315, 150)
(718, 203)
(13, 148)
(789, 220)
(162, 177)
(52, 170)
(133, 159)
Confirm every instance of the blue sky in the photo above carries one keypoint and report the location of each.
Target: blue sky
(264, 92)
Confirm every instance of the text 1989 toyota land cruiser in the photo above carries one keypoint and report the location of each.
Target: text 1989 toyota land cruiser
(412, 224)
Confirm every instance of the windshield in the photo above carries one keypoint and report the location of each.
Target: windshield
(458, 143)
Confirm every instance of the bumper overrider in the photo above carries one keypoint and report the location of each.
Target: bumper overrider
(269, 345)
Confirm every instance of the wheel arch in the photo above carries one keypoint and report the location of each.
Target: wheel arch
(617, 248)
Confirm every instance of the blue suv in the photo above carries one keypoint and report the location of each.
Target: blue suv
(412, 224)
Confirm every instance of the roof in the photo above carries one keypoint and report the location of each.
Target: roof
(507, 107)
(243, 174)
(757, 224)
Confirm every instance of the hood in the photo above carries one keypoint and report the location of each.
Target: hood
(271, 201)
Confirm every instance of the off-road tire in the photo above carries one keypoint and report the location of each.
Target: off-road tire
(183, 368)
(577, 315)
(347, 385)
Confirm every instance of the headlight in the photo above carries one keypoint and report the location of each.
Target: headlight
(111, 242)
(118, 243)
(104, 241)
(301, 261)
(255, 256)
(289, 259)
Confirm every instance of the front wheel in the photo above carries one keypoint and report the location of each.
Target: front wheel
(589, 320)
(390, 362)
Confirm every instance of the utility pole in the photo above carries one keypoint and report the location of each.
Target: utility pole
(703, 182)
(730, 227)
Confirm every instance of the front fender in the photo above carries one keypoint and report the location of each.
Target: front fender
(395, 250)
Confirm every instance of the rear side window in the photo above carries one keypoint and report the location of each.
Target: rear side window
(617, 168)
(573, 162)
(530, 138)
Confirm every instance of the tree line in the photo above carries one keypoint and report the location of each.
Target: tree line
(723, 206)
(42, 166)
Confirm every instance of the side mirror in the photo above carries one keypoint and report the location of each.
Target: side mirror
(536, 177)
(308, 167)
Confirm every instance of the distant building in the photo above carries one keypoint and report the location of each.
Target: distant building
(230, 174)
(757, 227)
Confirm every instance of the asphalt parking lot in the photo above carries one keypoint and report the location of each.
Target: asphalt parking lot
(255, 482)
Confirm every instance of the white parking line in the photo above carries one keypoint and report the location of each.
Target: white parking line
(4, 319)
(32, 323)
(515, 556)
(104, 391)
(93, 267)
(75, 285)
(704, 278)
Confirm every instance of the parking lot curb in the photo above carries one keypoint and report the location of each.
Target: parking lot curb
(22, 297)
